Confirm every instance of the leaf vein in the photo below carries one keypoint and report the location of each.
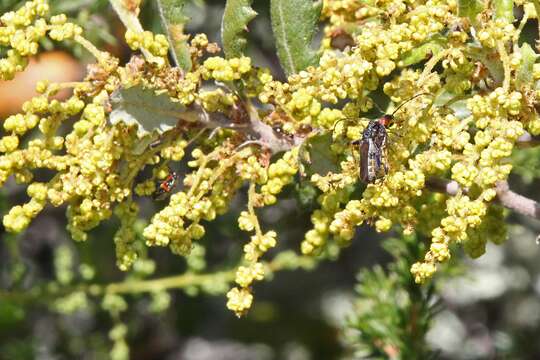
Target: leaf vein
(284, 34)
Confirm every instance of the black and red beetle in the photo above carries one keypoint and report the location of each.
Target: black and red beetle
(165, 186)
(373, 159)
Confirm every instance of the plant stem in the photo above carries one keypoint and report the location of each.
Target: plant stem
(251, 208)
(100, 56)
(149, 285)
(172, 282)
(430, 65)
(506, 65)
(131, 22)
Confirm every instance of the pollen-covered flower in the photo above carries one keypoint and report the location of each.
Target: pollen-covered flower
(239, 300)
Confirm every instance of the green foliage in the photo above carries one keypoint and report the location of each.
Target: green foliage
(173, 20)
(487, 57)
(504, 9)
(294, 23)
(18, 349)
(237, 15)
(524, 74)
(317, 157)
(469, 9)
(392, 313)
(10, 313)
(140, 106)
(526, 164)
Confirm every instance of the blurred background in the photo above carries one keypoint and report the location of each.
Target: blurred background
(491, 310)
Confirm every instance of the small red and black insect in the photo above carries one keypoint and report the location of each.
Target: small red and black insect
(373, 159)
(165, 186)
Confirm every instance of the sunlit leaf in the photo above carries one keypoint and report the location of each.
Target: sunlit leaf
(238, 13)
(140, 106)
(524, 75)
(173, 20)
(294, 23)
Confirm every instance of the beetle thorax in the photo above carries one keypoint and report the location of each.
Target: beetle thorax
(376, 132)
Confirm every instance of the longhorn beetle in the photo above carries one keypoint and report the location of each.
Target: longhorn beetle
(373, 159)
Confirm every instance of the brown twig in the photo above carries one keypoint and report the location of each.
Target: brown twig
(517, 202)
(255, 130)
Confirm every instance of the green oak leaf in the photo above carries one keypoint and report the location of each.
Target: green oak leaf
(173, 20)
(317, 157)
(238, 13)
(469, 9)
(150, 111)
(489, 58)
(524, 74)
(294, 23)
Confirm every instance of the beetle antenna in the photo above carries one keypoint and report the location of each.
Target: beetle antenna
(408, 100)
